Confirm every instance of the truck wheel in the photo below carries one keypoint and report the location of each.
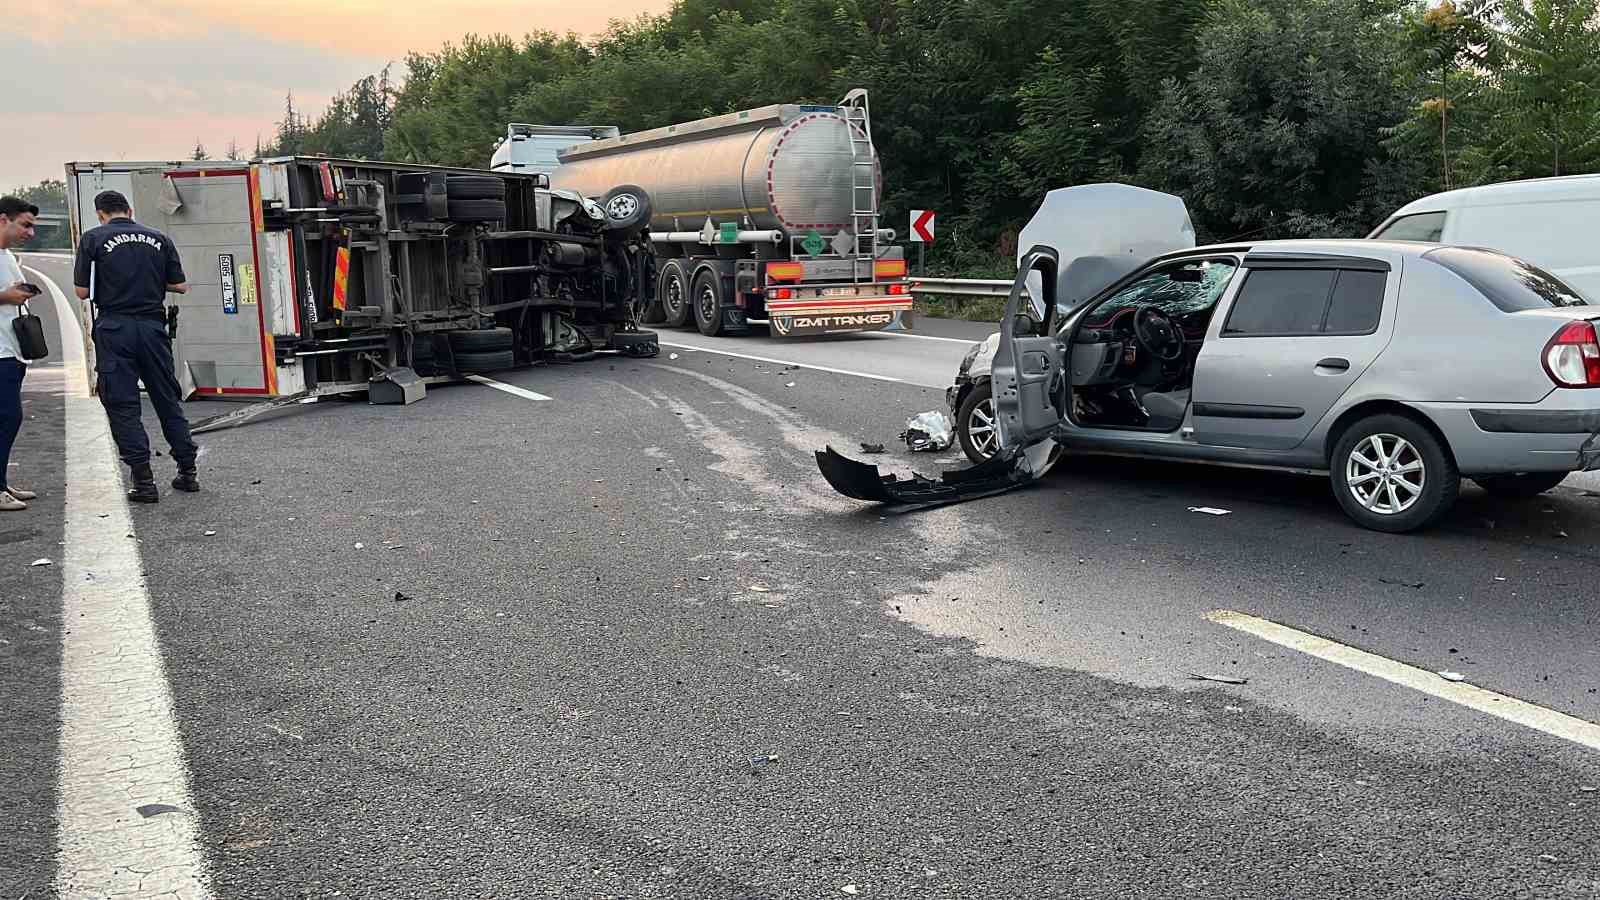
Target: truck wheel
(486, 341)
(1520, 486)
(627, 208)
(1391, 474)
(492, 361)
(707, 302)
(476, 210)
(475, 187)
(672, 292)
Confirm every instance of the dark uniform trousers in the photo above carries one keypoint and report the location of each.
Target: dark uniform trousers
(130, 349)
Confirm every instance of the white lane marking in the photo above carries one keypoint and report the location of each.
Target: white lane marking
(925, 337)
(1560, 725)
(511, 389)
(783, 362)
(119, 739)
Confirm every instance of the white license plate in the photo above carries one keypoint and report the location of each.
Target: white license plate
(838, 292)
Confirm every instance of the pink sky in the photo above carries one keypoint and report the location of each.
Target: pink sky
(187, 70)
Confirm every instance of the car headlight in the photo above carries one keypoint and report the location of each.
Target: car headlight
(966, 361)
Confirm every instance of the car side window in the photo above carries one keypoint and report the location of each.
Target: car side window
(1428, 226)
(1357, 303)
(1281, 302)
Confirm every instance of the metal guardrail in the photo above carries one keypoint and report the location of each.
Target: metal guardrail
(966, 287)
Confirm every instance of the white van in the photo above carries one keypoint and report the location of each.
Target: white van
(1553, 223)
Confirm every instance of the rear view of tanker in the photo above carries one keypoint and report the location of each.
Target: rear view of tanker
(762, 217)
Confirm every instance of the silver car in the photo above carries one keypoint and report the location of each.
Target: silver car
(1396, 368)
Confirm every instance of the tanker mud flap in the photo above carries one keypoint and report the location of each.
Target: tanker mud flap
(1006, 471)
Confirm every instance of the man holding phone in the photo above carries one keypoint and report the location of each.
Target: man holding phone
(16, 228)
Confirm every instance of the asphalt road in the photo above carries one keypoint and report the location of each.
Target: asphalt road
(626, 643)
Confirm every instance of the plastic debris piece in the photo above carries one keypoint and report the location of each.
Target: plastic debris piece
(1221, 679)
(155, 809)
(1448, 675)
(850, 889)
(760, 588)
(210, 533)
(930, 431)
(672, 356)
(40, 562)
(401, 598)
(360, 546)
(1401, 583)
(871, 448)
(790, 384)
(1211, 510)
(703, 577)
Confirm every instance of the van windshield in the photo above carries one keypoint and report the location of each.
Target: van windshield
(1509, 283)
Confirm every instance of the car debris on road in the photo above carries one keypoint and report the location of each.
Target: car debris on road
(930, 431)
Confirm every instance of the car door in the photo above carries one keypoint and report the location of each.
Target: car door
(1298, 332)
(1029, 369)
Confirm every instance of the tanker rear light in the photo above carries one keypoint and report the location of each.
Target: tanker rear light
(781, 294)
(898, 289)
(889, 268)
(785, 271)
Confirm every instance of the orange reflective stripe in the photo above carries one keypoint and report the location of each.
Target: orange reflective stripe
(341, 277)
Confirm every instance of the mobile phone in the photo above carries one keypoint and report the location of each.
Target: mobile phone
(32, 289)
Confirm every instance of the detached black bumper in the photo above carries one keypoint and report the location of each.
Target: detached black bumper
(861, 481)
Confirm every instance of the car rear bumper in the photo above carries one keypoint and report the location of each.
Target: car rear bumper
(1559, 434)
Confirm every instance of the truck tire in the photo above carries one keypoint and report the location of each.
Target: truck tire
(488, 340)
(476, 210)
(627, 208)
(478, 363)
(637, 344)
(475, 187)
(707, 302)
(672, 292)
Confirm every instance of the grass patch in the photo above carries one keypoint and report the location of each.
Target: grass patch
(957, 306)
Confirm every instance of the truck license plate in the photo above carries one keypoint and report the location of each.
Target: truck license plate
(838, 292)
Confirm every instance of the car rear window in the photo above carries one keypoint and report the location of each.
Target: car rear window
(1511, 284)
(1281, 302)
(1428, 226)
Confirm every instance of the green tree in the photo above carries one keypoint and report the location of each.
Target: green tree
(1449, 52)
(1278, 131)
(1545, 98)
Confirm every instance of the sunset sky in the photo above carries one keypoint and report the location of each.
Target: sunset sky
(108, 79)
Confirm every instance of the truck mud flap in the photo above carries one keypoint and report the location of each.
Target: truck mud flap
(860, 481)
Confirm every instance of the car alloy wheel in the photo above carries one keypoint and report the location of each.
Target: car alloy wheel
(981, 428)
(1385, 474)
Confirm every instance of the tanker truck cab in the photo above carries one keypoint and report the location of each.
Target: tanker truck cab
(766, 217)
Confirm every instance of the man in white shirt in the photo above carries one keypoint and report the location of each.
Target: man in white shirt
(16, 228)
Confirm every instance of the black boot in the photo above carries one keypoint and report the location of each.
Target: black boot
(188, 480)
(144, 485)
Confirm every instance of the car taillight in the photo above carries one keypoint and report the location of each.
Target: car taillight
(1572, 358)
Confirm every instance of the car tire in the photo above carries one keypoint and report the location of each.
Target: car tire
(1520, 485)
(977, 411)
(1388, 494)
(488, 340)
(476, 210)
(475, 187)
(627, 208)
(672, 292)
(492, 361)
(707, 302)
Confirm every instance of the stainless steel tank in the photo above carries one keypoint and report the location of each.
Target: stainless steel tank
(784, 167)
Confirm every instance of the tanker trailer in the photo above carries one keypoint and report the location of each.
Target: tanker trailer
(762, 217)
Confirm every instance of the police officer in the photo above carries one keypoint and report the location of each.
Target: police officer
(130, 269)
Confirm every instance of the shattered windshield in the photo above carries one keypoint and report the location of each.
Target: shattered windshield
(1180, 289)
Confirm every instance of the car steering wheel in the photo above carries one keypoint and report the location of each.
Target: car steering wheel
(1158, 334)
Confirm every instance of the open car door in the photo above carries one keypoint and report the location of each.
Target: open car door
(1029, 373)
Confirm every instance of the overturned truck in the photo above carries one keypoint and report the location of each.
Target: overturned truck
(316, 276)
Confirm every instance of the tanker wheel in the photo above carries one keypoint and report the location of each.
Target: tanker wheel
(672, 292)
(708, 302)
